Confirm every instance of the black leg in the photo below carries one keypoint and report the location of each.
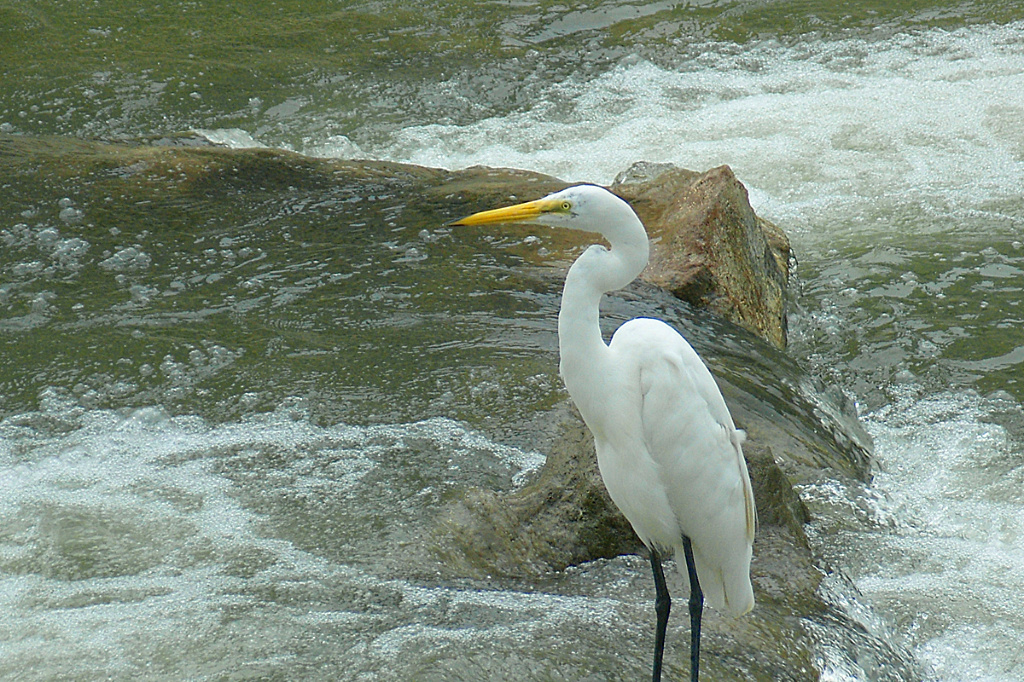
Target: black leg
(696, 610)
(662, 605)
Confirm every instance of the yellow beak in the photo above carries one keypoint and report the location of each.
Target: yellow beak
(519, 213)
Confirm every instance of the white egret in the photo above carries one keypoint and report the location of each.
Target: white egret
(668, 451)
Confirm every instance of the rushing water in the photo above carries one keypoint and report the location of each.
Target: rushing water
(140, 535)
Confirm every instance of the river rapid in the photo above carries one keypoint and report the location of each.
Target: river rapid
(201, 477)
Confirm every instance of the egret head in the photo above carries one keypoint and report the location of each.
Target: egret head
(584, 207)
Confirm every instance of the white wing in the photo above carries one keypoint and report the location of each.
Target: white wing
(688, 432)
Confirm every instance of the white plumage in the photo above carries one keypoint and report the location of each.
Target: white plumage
(678, 468)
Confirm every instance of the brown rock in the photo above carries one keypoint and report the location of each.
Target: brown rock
(711, 249)
(564, 517)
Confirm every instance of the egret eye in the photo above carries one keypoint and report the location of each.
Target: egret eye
(566, 206)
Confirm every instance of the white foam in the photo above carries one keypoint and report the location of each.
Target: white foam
(951, 570)
(236, 138)
(330, 147)
(120, 523)
(818, 128)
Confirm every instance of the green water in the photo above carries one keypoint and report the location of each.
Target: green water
(309, 75)
(928, 310)
(223, 283)
(292, 71)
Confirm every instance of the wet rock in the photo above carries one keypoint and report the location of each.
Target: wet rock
(564, 517)
(710, 248)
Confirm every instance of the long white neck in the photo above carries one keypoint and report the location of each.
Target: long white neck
(598, 270)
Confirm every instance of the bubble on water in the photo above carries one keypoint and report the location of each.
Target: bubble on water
(27, 268)
(169, 366)
(42, 302)
(127, 259)
(332, 147)
(47, 236)
(141, 294)
(69, 251)
(412, 255)
(71, 215)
